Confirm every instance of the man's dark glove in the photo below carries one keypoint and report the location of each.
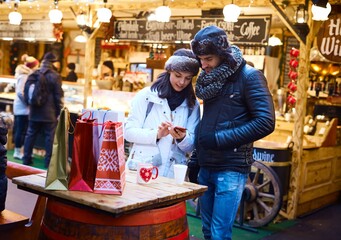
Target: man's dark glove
(207, 141)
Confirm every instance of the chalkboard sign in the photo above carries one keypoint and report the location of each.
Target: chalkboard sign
(291, 42)
(248, 30)
(39, 30)
(329, 38)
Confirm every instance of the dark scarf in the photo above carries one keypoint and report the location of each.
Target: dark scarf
(175, 98)
(210, 85)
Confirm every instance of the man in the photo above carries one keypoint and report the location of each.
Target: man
(238, 110)
(45, 117)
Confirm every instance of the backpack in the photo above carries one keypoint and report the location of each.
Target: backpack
(35, 91)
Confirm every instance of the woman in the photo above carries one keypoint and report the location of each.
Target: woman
(20, 109)
(72, 75)
(158, 113)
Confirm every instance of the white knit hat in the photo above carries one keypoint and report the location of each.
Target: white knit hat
(183, 60)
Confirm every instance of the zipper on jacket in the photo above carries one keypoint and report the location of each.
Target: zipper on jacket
(172, 119)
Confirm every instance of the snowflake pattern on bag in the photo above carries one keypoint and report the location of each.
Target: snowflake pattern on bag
(110, 175)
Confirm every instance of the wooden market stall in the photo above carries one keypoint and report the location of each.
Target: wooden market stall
(315, 178)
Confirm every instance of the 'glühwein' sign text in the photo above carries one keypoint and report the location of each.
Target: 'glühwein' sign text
(248, 29)
(329, 38)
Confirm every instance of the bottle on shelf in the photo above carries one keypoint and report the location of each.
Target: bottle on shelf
(151, 53)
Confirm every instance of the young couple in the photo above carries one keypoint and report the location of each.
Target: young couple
(165, 125)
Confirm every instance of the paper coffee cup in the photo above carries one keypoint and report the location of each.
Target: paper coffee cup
(180, 173)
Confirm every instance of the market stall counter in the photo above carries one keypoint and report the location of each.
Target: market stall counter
(155, 210)
(316, 180)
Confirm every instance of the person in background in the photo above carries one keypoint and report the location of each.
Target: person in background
(5, 124)
(107, 70)
(107, 73)
(45, 117)
(163, 116)
(20, 109)
(71, 76)
(105, 78)
(238, 110)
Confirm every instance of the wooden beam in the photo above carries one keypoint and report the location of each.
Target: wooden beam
(298, 134)
(287, 22)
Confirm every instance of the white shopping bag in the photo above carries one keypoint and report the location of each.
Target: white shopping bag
(103, 116)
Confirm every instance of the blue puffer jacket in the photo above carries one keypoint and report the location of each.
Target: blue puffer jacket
(241, 115)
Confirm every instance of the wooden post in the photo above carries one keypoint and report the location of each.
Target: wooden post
(302, 86)
(89, 64)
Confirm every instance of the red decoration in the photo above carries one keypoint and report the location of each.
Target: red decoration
(292, 87)
(292, 75)
(294, 52)
(291, 99)
(293, 63)
(58, 31)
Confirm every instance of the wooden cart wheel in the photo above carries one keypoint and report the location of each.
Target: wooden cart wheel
(262, 196)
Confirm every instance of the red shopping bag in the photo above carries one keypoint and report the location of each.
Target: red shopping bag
(110, 174)
(84, 155)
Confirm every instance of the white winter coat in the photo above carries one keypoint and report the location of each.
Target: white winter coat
(142, 131)
(19, 105)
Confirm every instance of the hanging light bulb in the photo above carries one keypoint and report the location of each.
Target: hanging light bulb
(81, 19)
(231, 13)
(274, 41)
(104, 14)
(55, 14)
(163, 14)
(152, 17)
(80, 38)
(15, 17)
(321, 13)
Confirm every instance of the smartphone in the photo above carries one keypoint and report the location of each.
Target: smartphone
(180, 129)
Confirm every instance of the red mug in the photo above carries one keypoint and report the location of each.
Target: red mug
(145, 173)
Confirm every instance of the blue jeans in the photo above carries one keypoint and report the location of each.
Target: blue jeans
(20, 128)
(31, 135)
(219, 204)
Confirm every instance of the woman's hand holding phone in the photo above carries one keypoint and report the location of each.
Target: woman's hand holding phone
(178, 128)
(178, 132)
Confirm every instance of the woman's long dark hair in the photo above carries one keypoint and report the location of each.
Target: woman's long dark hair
(164, 88)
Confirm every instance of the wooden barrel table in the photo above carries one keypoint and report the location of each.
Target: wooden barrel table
(151, 211)
(63, 221)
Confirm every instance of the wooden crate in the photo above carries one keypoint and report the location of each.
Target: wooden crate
(320, 179)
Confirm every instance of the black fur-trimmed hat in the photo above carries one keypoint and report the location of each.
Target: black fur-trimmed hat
(183, 60)
(211, 40)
